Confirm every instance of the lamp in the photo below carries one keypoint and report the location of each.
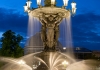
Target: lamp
(39, 2)
(64, 48)
(52, 2)
(25, 8)
(73, 4)
(28, 3)
(65, 2)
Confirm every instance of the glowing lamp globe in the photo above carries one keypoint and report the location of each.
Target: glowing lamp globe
(28, 3)
(25, 8)
(39, 2)
(73, 4)
(65, 2)
(52, 2)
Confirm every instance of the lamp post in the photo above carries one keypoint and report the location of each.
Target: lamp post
(65, 2)
(28, 4)
(50, 18)
(53, 2)
(25, 8)
(73, 7)
(39, 3)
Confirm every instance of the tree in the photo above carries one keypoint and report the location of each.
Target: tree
(10, 43)
(0, 51)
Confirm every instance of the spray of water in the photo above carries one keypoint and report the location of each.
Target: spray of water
(33, 26)
(14, 64)
(68, 38)
(82, 65)
(59, 60)
(66, 35)
(23, 63)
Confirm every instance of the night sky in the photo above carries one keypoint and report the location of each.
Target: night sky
(85, 24)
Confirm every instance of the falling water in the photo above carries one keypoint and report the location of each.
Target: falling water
(33, 28)
(67, 36)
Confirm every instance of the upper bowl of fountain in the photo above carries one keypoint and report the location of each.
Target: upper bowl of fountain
(50, 10)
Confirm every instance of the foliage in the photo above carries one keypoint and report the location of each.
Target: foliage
(10, 43)
(0, 51)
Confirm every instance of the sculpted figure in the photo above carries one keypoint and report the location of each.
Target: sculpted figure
(56, 30)
(50, 34)
(43, 32)
(50, 30)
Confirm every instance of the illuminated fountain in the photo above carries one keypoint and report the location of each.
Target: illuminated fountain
(50, 58)
(50, 17)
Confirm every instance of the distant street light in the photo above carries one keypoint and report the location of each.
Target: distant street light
(64, 48)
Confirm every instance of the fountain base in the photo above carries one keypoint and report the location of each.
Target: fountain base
(49, 58)
(45, 60)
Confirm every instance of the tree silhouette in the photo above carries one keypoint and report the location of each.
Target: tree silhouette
(10, 43)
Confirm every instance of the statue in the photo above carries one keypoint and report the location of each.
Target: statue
(50, 30)
(43, 32)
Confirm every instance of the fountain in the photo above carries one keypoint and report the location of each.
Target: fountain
(50, 18)
(50, 58)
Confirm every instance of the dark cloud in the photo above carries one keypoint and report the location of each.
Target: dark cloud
(10, 19)
(86, 31)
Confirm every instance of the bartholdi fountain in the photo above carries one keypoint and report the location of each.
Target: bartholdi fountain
(50, 18)
(50, 58)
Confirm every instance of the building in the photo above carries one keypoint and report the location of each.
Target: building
(82, 53)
